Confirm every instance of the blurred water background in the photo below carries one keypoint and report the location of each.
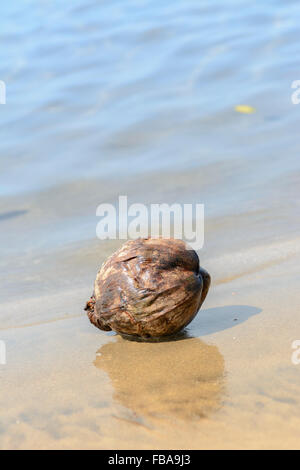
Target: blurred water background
(138, 98)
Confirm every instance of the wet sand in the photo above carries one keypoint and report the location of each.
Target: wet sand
(228, 382)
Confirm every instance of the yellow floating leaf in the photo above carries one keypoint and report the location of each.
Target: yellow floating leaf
(244, 108)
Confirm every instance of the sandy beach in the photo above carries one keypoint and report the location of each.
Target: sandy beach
(227, 382)
(144, 106)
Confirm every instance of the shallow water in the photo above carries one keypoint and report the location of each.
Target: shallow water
(138, 98)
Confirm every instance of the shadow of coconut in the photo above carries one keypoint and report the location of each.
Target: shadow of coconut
(213, 320)
(173, 379)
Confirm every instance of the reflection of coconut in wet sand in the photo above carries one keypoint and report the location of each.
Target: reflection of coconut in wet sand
(181, 379)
